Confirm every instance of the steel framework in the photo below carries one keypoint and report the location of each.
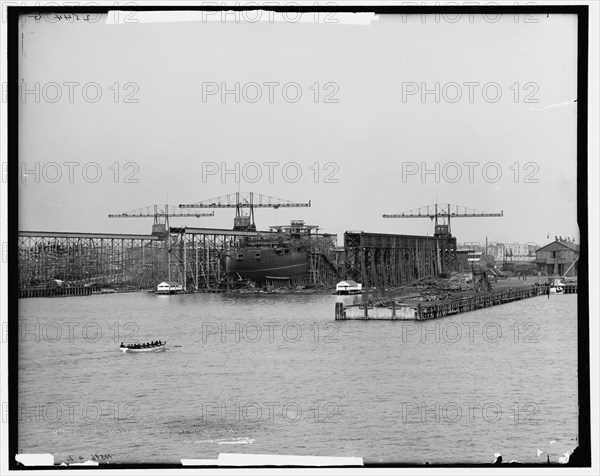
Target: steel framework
(196, 256)
(444, 212)
(245, 200)
(191, 256)
(382, 260)
(83, 258)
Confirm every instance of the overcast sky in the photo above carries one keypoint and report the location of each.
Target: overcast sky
(368, 132)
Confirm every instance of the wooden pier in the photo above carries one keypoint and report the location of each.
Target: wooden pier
(49, 291)
(426, 310)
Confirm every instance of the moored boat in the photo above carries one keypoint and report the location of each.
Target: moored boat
(134, 348)
(557, 287)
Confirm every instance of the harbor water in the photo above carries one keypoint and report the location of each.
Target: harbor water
(275, 374)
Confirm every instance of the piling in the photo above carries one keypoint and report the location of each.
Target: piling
(339, 311)
(49, 291)
(432, 310)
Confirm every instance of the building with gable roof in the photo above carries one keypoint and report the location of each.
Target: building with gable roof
(558, 258)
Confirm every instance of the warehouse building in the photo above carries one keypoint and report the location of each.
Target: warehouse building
(558, 258)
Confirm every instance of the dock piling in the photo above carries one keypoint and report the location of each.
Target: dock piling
(339, 311)
(435, 309)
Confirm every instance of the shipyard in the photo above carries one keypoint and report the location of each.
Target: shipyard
(293, 288)
(357, 243)
(289, 258)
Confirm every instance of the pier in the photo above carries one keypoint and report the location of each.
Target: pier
(49, 291)
(422, 311)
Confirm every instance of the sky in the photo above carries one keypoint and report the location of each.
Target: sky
(116, 116)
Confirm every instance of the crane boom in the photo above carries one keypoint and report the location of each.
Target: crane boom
(436, 211)
(241, 200)
(569, 268)
(244, 200)
(432, 211)
(161, 214)
(159, 211)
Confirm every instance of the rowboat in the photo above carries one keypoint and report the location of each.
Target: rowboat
(150, 348)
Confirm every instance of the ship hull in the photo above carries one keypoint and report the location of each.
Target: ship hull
(260, 264)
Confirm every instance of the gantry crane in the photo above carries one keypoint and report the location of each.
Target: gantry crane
(240, 201)
(161, 214)
(447, 256)
(444, 212)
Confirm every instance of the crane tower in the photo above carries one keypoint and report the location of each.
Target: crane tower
(442, 214)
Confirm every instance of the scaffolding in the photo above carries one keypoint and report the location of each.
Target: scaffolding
(383, 260)
(190, 256)
(87, 258)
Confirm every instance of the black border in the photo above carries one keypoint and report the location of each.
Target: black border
(583, 458)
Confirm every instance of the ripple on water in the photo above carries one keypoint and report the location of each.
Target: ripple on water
(384, 391)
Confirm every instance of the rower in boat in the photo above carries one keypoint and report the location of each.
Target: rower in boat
(153, 346)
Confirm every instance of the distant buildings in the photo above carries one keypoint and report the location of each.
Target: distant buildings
(558, 258)
(511, 251)
(501, 252)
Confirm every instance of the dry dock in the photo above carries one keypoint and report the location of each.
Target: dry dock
(422, 311)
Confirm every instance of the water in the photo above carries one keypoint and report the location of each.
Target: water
(291, 380)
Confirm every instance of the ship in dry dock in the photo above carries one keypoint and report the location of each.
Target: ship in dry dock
(281, 255)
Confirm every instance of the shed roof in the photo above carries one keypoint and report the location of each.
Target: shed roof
(347, 282)
(558, 243)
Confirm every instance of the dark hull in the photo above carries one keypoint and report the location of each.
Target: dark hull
(260, 264)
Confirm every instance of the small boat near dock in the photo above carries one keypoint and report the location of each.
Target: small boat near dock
(158, 346)
(348, 286)
(557, 287)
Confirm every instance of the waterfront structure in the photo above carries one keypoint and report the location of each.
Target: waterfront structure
(283, 256)
(463, 262)
(348, 287)
(558, 258)
(193, 257)
(90, 258)
(169, 287)
(382, 260)
(416, 310)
